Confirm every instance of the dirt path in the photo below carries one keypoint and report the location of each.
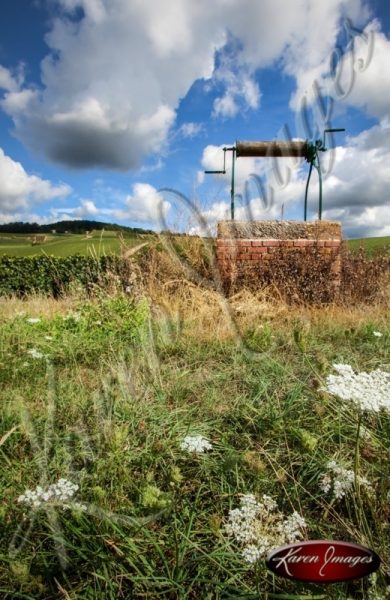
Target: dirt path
(134, 249)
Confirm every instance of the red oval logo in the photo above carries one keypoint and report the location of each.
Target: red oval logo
(323, 561)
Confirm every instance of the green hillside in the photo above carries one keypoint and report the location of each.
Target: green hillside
(60, 245)
(374, 245)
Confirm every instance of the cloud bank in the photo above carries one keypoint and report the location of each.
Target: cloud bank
(117, 70)
(19, 190)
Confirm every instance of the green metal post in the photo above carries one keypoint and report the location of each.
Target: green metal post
(232, 186)
(306, 191)
(320, 194)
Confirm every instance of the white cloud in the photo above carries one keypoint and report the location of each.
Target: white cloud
(226, 106)
(364, 76)
(358, 76)
(26, 217)
(112, 81)
(357, 192)
(241, 90)
(16, 102)
(145, 205)
(7, 81)
(190, 130)
(18, 189)
(87, 209)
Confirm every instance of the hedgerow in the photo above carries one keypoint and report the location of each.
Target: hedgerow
(53, 276)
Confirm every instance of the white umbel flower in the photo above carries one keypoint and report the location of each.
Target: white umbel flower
(377, 333)
(34, 353)
(368, 391)
(259, 527)
(58, 494)
(33, 320)
(252, 553)
(340, 480)
(76, 316)
(196, 443)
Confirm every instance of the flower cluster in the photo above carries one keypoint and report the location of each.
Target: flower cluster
(196, 443)
(340, 480)
(377, 333)
(260, 526)
(76, 316)
(58, 494)
(368, 391)
(33, 320)
(34, 353)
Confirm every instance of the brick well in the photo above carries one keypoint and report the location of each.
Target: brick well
(242, 244)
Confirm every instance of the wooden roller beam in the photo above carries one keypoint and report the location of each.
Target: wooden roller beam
(297, 148)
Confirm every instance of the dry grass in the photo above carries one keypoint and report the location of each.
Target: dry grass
(176, 274)
(185, 291)
(36, 305)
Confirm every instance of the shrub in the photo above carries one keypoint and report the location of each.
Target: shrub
(54, 276)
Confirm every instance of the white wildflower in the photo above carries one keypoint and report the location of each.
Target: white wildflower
(196, 443)
(292, 527)
(340, 480)
(48, 338)
(34, 353)
(98, 322)
(365, 433)
(368, 391)
(377, 333)
(269, 503)
(251, 553)
(259, 526)
(76, 316)
(33, 320)
(58, 494)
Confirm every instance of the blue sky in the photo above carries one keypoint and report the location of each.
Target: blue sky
(103, 103)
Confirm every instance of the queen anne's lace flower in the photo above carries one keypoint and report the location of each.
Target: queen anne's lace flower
(76, 316)
(368, 391)
(33, 320)
(260, 526)
(196, 443)
(340, 480)
(58, 494)
(252, 553)
(377, 333)
(292, 527)
(35, 353)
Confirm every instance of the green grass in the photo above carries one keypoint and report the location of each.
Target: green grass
(60, 245)
(372, 246)
(108, 407)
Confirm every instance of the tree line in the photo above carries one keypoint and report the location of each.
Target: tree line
(78, 226)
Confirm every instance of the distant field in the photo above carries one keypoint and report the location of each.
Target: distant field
(375, 245)
(60, 245)
(106, 242)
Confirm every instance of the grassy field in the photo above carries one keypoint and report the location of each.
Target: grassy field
(100, 242)
(107, 242)
(103, 392)
(375, 245)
